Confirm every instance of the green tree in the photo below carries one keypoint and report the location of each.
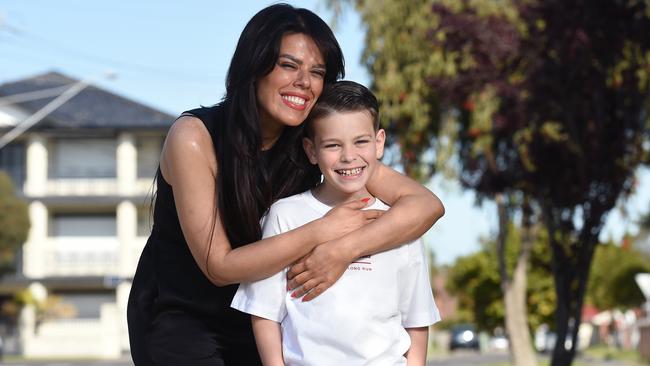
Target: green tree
(611, 282)
(541, 101)
(642, 240)
(14, 224)
(475, 280)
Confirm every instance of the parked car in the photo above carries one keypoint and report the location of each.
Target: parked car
(499, 343)
(464, 336)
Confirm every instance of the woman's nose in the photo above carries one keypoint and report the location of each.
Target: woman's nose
(303, 79)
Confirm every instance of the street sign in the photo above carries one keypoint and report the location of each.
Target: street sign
(643, 280)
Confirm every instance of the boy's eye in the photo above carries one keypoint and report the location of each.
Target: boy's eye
(362, 142)
(331, 146)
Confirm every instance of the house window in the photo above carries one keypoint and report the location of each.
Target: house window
(83, 158)
(149, 149)
(81, 304)
(12, 162)
(65, 224)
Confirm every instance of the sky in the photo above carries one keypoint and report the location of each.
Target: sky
(174, 56)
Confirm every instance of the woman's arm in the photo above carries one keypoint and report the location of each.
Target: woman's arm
(268, 337)
(417, 353)
(189, 165)
(414, 209)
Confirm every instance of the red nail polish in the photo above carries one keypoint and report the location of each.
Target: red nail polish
(365, 200)
(293, 295)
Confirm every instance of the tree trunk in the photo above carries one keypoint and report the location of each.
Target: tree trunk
(571, 263)
(563, 275)
(514, 291)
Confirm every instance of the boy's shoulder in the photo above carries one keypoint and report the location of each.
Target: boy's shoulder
(293, 211)
(291, 205)
(296, 199)
(378, 205)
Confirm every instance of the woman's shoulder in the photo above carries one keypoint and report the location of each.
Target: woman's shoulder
(188, 130)
(188, 144)
(208, 115)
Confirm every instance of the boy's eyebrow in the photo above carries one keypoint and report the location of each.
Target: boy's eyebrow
(363, 135)
(297, 60)
(337, 139)
(329, 139)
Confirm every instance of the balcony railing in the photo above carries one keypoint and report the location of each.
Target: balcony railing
(81, 187)
(94, 187)
(66, 338)
(81, 256)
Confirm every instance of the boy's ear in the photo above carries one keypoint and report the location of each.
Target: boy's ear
(380, 138)
(310, 150)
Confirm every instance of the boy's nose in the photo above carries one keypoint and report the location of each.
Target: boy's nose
(347, 155)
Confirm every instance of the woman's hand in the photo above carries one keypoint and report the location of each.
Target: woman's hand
(317, 271)
(346, 218)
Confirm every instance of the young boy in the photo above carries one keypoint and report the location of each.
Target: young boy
(379, 311)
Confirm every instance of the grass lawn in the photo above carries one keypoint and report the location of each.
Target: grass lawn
(600, 353)
(611, 353)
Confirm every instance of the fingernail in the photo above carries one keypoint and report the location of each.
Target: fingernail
(304, 299)
(294, 295)
(365, 200)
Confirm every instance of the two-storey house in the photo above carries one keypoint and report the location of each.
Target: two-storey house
(86, 171)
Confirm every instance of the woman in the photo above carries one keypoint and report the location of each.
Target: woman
(220, 169)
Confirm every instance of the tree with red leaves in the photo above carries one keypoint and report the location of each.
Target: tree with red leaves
(543, 104)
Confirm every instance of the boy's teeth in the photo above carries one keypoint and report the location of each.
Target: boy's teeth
(349, 171)
(293, 99)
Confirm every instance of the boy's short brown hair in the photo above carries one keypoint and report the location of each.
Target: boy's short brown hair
(340, 97)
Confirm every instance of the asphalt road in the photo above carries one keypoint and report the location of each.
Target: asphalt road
(461, 358)
(121, 362)
(465, 358)
(468, 358)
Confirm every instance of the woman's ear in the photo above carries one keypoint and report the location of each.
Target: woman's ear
(310, 150)
(380, 138)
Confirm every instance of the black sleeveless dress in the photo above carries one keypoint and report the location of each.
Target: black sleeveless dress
(176, 316)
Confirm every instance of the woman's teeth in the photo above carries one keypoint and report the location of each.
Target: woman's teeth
(293, 99)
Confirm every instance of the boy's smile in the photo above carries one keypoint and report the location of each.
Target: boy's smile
(346, 148)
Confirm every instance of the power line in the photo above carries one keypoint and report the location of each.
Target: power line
(60, 47)
(34, 95)
(70, 92)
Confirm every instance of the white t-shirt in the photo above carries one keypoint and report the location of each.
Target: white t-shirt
(360, 320)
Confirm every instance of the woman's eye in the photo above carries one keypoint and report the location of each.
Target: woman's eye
(362, 142)
(287, 65)
(331, 146)
(319, 73)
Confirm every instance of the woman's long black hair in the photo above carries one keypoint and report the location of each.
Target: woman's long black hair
(250, 180)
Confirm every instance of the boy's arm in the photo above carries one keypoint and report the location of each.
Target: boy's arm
(417, 353)
(269, 341)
